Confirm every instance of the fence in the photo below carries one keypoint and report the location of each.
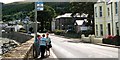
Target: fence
(91, 39)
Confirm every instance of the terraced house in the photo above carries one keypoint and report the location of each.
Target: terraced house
(106, 18)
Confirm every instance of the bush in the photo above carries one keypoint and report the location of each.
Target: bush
(59, 32)
(22, 30)
(67, 34)
(70, 31)
(112, 40)
(107, 41)
(72, 35)
(116, 40)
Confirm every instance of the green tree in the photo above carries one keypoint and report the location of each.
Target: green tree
(84, 7)
(31, 14)
(46, 16)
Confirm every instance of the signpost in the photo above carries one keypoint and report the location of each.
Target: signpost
(38, 7)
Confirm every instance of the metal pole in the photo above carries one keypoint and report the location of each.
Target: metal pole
(35, 31)
(35, 21)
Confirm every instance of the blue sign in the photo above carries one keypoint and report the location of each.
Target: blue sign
(39, 6)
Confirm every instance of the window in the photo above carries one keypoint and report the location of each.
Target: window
(108, 11)
(100, 7)
(116, 7)
(117, 28)
(101, 29)
(109, 29)
(96, 11)
(97, 30)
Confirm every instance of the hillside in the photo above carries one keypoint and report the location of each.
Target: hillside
(12, 8)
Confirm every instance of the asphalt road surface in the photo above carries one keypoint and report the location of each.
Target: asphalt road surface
(73, 48)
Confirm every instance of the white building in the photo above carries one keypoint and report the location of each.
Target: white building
(106, 18)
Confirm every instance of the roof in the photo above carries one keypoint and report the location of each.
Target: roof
(65, 15)
(79, 22)
(68, 15)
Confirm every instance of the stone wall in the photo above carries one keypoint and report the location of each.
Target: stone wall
(18, 37)
(91, 39)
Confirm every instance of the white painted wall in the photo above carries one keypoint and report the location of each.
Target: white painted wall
(105, 19)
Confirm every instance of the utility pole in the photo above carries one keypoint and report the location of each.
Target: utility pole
(35, 21)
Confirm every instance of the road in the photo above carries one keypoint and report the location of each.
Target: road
(73, 48)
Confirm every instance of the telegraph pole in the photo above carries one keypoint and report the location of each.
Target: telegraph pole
(35, 21)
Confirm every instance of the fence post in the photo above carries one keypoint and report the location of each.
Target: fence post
(92, 38)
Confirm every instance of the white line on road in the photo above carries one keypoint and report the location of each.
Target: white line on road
(54, 56)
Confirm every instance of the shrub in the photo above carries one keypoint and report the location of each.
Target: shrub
(107, 41)
(59, 32)
(22, 30)
(114, 40)
(72, 35)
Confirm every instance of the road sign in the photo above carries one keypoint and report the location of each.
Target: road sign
(39, 6)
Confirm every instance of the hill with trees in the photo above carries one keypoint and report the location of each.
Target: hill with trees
(19, 10)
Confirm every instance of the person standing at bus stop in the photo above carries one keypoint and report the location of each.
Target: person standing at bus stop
(42, 45)
(48, 40)
(36, 46)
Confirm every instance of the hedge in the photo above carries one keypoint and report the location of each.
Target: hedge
(113, 41)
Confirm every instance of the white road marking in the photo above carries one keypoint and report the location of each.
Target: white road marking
(54, 56)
